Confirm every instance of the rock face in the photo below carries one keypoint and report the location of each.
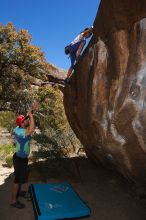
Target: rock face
(106, 102)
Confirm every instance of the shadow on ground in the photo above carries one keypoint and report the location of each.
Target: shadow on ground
(109, 196)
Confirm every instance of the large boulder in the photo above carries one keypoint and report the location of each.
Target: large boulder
(106, 101)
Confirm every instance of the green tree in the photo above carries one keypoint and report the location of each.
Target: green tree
(51, 113)
(19, 62)
(56, 138)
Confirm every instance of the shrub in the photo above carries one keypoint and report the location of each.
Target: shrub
(7, 120)
(56, 139)
(6, 150)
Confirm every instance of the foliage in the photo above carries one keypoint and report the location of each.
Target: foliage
(7, 120)
(6, 152)
(56, 139)
(49, 148)
(6, 149)
(51, 114)
(19, 62)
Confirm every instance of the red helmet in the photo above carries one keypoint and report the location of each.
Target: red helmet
(20, 119)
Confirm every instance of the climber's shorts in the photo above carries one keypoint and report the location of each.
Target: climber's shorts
(73, 50)
(20, 169)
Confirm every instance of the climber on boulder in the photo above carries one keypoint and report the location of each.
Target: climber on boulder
(76, 47)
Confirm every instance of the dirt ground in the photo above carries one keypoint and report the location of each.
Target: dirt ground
(109, 196)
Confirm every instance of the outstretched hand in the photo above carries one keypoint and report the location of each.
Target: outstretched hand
(29, 113)
(33, 107)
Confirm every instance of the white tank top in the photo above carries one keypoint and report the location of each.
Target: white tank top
(79, 38)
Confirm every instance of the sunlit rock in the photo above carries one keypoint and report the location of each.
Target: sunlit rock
(106, 101)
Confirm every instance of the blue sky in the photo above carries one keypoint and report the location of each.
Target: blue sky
(52, 23)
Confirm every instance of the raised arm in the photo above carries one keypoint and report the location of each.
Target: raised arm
(31, 124)
(80, 49)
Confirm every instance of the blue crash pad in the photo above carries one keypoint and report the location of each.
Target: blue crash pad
(55, 201)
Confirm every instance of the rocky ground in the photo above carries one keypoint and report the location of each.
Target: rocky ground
(108, 194)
